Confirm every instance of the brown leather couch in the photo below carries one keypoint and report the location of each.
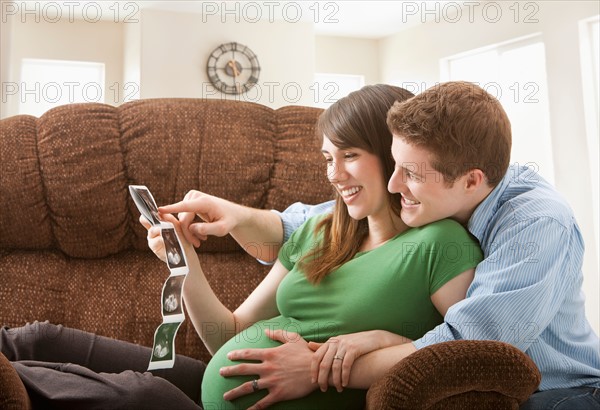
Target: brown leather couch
(72, 250)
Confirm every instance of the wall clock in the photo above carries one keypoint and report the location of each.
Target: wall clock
(233, 68)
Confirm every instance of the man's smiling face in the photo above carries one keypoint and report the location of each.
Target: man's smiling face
(426, 197)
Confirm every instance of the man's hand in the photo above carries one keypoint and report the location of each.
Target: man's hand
(284, 370)
(219, 215)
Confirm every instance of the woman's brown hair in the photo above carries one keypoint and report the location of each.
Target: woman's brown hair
(355, 121)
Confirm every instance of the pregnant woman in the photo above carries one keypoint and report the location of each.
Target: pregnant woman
(357, 269)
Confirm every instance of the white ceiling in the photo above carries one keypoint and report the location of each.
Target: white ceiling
(369, 19)
(364, 19)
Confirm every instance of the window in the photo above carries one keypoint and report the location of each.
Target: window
(328, 88)
(589, 34)
(515, 73)
(47, 84)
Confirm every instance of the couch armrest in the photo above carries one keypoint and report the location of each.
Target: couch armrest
(13, 395)
(458, 374)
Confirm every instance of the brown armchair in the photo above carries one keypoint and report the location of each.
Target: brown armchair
(464, 374)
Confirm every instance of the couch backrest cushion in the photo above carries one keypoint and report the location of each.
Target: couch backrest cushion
(22, 199)
(66, 174)
(299, 170)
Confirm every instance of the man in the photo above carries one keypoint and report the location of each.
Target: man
(452, 148)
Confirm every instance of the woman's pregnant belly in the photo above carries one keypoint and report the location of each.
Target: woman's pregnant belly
(214, 385)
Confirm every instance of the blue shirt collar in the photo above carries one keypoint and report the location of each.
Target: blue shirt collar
(481, 216)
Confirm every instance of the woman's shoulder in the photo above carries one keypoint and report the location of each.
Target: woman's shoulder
(451, 238)
(445, 224)
(444, 229)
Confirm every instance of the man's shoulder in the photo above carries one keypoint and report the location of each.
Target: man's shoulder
(527, 196)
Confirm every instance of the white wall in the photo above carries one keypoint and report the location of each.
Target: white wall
(64, 40)
(132, 52)
(164, 54)
(176, 47)
(5, 45)
(411, 58)
(345, 55)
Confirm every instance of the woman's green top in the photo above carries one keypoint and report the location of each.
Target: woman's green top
(387, 288)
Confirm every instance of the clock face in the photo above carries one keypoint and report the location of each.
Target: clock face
(233, 68)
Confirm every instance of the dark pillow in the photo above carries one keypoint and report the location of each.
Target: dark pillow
(13, 395)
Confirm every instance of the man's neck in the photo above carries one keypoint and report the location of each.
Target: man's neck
(471, 205)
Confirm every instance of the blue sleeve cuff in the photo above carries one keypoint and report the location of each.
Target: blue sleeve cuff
(295, 215)
(290, 221)
(420, 343)
(441, 333)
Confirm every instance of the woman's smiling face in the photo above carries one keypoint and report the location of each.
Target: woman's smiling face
(357, 176)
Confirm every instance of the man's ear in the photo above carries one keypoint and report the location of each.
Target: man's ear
(475, 179)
